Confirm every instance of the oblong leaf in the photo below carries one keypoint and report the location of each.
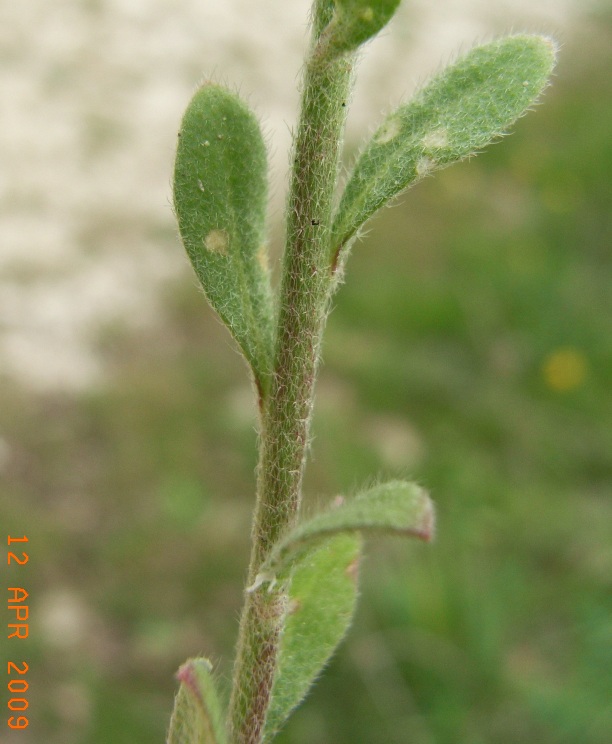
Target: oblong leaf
(457, 113)
(322, 599)
(396, 507)
(197, 717)
(220, 197)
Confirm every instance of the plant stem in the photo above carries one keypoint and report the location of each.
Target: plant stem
(286, 411)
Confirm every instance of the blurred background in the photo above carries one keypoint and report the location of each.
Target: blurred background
(470, 349)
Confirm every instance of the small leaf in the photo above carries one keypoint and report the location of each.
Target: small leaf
(318, 560)
(356, 21)
(322, 599)
(460, 111)
(198, 716)
(220, 196)
(396, 507)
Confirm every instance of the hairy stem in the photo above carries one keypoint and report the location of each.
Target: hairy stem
(287, 408)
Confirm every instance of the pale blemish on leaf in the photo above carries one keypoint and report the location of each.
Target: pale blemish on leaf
(436, 140)
(475, 101)
(367, 14)
(389, 130)
(424, 166)
(217, 241)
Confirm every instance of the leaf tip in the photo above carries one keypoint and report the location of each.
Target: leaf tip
(551, 44)
(423, 526)
(427, 526)
(187, 675)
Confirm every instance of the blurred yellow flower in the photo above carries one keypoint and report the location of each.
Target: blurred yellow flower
(565, 369)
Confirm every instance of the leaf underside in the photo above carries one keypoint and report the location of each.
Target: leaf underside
(395, 507)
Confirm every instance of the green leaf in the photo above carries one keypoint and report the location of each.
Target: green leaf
(198, 716)
(356, 21)
(318, 560)
(460, 111)
(220, 197)
(322, 599)
(396, 507)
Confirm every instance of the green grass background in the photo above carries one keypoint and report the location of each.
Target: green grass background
(470, 349)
